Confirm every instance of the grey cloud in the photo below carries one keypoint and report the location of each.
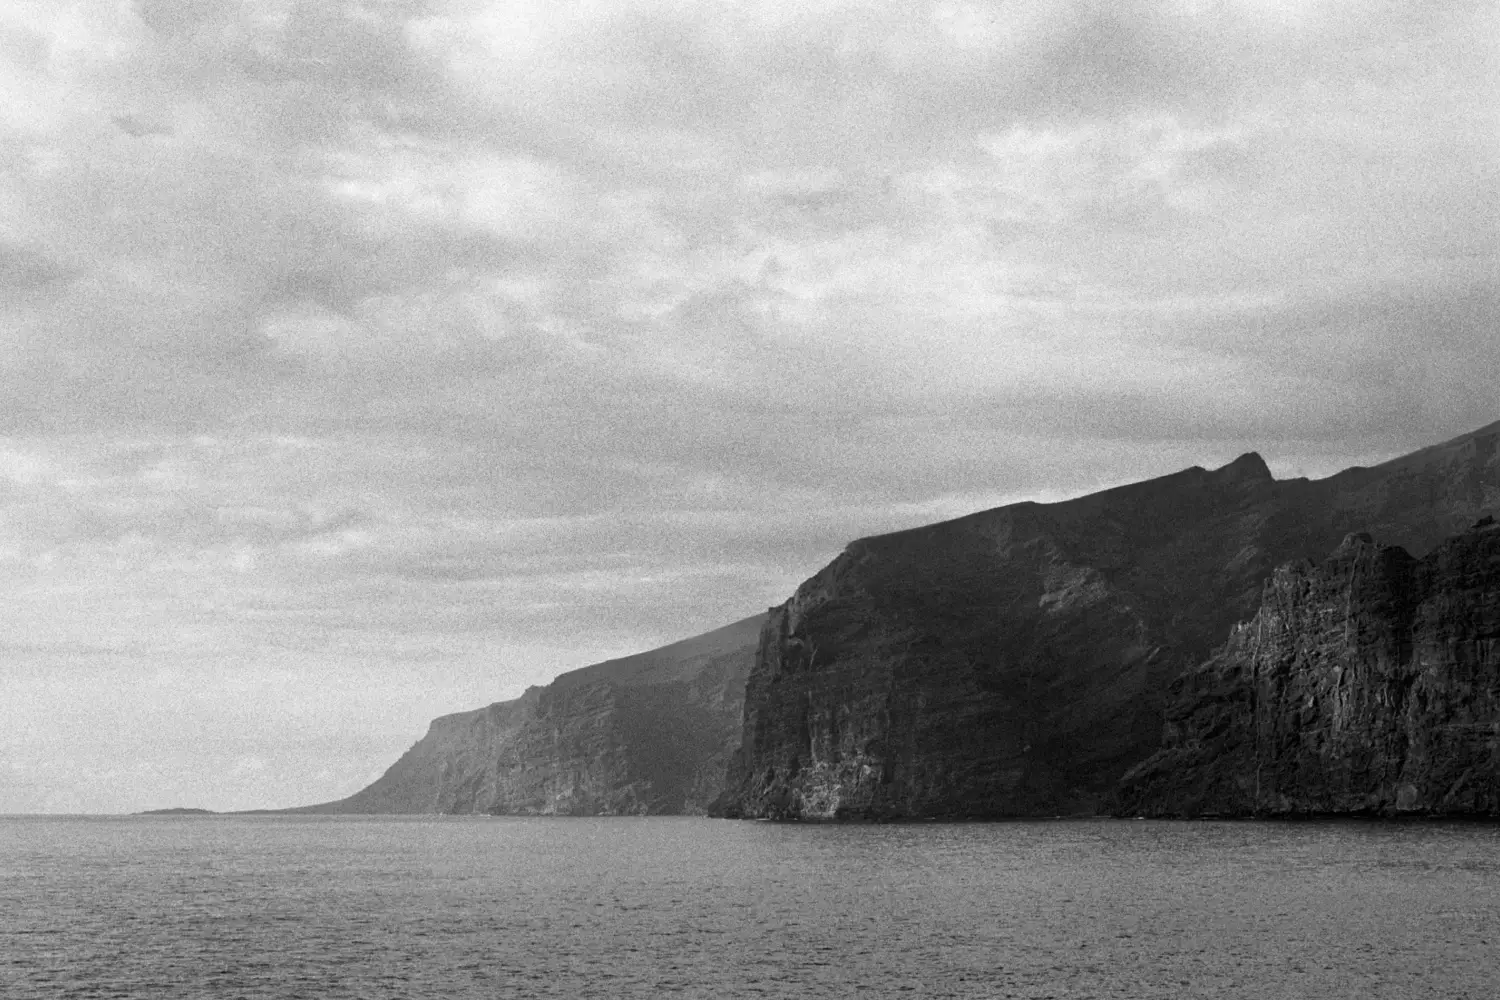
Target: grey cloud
(1372, 369)
(333, 73)
(179, 17)
(310, 72)
(24, 269)
(138, 127)
(316, 250)
(23, 47)
(335, 265)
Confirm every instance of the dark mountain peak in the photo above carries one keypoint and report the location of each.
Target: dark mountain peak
(1248, 468)
(1362, 547)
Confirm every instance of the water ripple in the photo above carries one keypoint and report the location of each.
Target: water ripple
(336, 907)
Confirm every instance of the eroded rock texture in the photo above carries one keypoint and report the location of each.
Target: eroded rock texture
(650, 733)
(1016, 661)
(1369, 684)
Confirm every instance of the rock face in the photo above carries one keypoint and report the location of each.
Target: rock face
(650, 733)
(1369, 685)
(1016, 661)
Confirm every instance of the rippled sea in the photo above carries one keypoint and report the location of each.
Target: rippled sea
(324, 907)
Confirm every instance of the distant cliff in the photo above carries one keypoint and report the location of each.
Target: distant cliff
(1369, 684)
(1017, 661)
(647, 734)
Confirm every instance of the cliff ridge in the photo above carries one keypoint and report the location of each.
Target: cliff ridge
(1017, 661)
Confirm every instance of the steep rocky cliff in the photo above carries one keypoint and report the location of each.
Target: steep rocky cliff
(1016, 661)
(1369, 684)
(650, 733)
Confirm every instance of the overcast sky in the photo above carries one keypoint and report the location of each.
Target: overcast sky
(366, 360)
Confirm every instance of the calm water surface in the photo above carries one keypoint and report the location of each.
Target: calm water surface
(324, 907)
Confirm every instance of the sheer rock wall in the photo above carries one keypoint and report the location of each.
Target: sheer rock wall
(1367, 685)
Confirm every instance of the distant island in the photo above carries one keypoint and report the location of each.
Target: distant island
(179, 811)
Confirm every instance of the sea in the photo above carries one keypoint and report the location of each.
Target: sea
(459, 907)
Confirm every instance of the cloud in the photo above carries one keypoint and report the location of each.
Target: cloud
(733, 202)
(344, 340)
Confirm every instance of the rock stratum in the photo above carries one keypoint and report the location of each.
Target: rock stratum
(1017, 662)
(646, 734)
(1367, 685)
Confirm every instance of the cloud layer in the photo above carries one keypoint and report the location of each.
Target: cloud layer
(371, 359)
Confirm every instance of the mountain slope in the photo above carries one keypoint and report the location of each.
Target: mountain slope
(649, 733)
(1369, 684)
(1016, 661)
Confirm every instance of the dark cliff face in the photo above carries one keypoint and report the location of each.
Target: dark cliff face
(1016, 661)
(647, 734)
(1369, 684)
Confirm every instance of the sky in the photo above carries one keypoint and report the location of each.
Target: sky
(367, 360)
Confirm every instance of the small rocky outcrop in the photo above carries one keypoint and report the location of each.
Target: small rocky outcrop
(647, 734)
(177, 811)
(1367, 685)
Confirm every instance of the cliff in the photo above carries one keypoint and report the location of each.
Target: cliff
(1367, 685)
(1017, 661)
(649, 733)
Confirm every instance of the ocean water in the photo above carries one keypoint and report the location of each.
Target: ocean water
(327, 907)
